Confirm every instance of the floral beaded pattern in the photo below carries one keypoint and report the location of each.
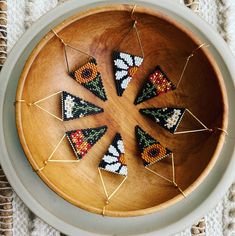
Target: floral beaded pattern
(89, 76)
(125, 67)
(74, 107)
(83, 139)
(157, 83)
(114, 160)
(151, 150)
(168, 117)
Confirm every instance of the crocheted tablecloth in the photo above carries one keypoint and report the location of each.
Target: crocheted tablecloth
(15, 17)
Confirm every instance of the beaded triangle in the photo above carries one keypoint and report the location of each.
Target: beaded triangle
(82, 140)
(157, 83)
(125, 67)
(114, 160)
(89, 76)
(151, 150)
(74, 107)
(167, 117)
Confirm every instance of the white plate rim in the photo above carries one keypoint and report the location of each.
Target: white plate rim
(20, 188)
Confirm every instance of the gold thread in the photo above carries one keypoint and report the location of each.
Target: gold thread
(64, 161)
(205, 128)
(192, 131)
(173, 175)
(173, 181)
(223, 130)
(40, 169)
(61, 40)
(104, 208)
(173, 167)
(58, 118)
(119, 186)
(132, 12)
(38, 101)
(70, 46)
(176, 185)
(41, 100)
(108, 197)
(159, 175)
(66, 59)
(56, 161)
(188, 59)
(138, 38)
(56, 147)
(47, 97)
(22, 101)
(134, 26)
(102, 180)
(64, 48)
(197, 119)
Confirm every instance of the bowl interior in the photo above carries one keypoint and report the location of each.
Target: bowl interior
(165, 43)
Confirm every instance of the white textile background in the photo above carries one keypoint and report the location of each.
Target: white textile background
(220, 14)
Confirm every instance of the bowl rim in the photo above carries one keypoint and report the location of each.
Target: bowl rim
(24, 77)
(222, 48)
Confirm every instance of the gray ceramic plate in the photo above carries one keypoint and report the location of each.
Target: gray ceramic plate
(72, 220)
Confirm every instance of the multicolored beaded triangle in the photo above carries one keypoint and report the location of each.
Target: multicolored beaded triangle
(156, 84)
(74, 107)
(114, 160)
(89, 76)
(82, 140)
(167, 117)
(151, 150)
(125, 67)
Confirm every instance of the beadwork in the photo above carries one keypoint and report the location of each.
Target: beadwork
(151, 150)
(74, 107)
(125, 67)
(89, 76)
(156, 84)
(168, 117)
(114, 160)
(83, 139)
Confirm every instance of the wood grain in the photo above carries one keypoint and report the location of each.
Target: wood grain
(165, 42)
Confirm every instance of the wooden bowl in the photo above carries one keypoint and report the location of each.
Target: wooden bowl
(166, 43)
